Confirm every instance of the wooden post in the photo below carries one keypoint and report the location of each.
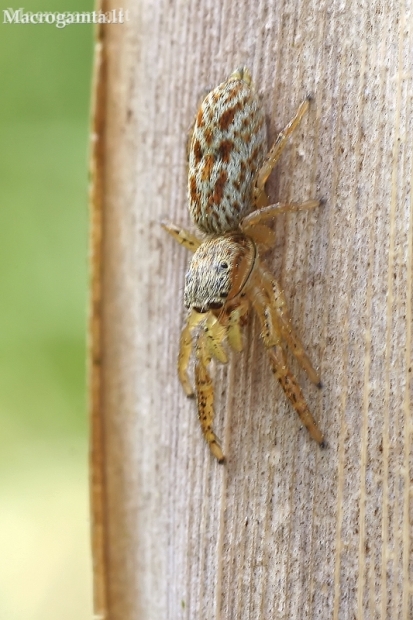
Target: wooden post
(284, 530)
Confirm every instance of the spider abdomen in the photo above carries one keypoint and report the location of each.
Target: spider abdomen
(227, 148)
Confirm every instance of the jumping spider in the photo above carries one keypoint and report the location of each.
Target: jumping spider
(228, 168)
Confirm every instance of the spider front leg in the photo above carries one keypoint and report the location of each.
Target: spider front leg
(209, 344)
(213, 333)
(185, 350)
(205, 398)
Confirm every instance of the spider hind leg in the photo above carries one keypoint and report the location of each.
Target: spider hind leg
(273, 155)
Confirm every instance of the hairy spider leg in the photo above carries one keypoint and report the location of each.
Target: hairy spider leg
(214, 335)
(258, 217)
(235, 320)
(278, 305)
(282, 316)
(208, 344)
(293, 392)
(185, 350)
(182, 236)
(260, 234)
(271, 335)
(205, 398)
(259, 196)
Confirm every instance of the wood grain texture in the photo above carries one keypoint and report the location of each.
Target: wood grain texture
(283, 530)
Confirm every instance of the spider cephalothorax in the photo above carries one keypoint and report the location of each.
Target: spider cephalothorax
(228, 168)
(218, 271)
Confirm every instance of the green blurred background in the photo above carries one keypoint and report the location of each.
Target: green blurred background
(45, 77)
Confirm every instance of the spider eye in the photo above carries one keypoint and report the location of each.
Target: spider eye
(224, 265)
(215, 305)
(223, 294)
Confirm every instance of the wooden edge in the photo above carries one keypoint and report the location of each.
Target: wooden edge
(97, 445)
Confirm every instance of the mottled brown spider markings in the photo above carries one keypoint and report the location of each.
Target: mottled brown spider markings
(227, 148)
(228, 167)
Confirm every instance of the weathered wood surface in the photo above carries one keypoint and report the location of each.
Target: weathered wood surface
(283, 530)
